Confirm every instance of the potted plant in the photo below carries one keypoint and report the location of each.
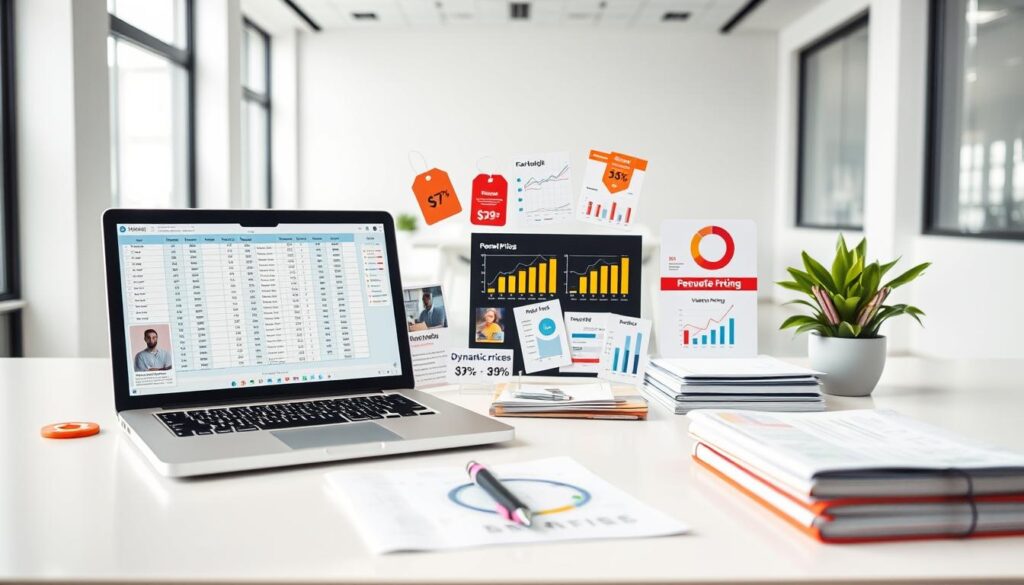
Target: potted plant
(847, 306)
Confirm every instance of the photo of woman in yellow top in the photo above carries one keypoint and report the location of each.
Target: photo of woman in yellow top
(488, 326)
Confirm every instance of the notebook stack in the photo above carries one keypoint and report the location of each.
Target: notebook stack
(863, 475)
(762, 383)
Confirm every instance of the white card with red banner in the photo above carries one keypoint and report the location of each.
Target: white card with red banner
(708, 289)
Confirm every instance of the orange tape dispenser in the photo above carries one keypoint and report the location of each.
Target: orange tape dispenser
(70, 430)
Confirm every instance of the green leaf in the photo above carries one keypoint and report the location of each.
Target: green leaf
(886, 267)
(802, 278)
(818, 272)
(856, 268)
(793, 286)
(841, 264)
(862, 248)
(869, 280)
(797, 320)
(908, 275)
(801, 302)
(848, 330)
(847, 307)
(819, 327)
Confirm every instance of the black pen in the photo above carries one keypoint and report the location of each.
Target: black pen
(509, 506)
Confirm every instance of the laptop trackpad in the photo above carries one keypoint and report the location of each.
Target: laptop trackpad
(329, 436)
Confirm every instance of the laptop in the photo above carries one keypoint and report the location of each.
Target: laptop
(248, 339)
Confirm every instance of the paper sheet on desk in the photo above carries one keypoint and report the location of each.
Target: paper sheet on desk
(436, 509)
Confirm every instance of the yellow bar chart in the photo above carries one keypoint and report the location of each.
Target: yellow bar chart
(536, 276)
(606, 276)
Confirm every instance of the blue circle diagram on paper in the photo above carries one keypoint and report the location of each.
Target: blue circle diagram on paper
(544, 496)
(547, 326)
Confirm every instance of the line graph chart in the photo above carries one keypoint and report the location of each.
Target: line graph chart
(542, 188)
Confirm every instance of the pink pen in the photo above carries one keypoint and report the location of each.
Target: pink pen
(508, 506)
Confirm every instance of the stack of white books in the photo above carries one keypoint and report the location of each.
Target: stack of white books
(762, 383)
(863, 475)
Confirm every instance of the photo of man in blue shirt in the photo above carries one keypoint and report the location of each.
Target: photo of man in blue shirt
(152, 359)
(432, 316)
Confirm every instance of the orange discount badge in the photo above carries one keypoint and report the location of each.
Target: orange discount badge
(436, 196)
(619, 171)
(489, 201)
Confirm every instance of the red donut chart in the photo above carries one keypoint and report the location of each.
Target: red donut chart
(730, 248)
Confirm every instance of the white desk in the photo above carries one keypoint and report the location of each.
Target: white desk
(92, 509)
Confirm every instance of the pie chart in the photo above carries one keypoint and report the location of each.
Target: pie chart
(707, 263)
(543, 496)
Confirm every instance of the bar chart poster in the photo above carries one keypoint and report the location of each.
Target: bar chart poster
(511, 270)
(542, 188)
(626, 345)
(708, 296)
(611, 189)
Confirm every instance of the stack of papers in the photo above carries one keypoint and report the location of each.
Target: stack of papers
(581, 400)
(863, 475)
(762, 383)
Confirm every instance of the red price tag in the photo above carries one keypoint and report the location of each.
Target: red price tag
(490, 200)
(436, 196)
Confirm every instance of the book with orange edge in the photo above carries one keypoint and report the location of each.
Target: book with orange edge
(815, 517)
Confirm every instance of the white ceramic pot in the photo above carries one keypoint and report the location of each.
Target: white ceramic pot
(852, 366)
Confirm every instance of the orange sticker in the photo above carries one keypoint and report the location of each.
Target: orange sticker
(436, 196)
(619, 171)
(70, 430)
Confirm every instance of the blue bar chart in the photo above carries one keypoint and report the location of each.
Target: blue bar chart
(625, 353)
(719, 332)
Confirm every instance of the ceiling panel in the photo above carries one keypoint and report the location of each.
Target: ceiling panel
(704, 15)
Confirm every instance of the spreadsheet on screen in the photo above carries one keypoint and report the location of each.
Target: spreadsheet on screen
(214, 306)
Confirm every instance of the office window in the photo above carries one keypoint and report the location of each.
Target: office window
(10, 305)
(151, 89)
(256, 190)
(976, 171)
(832, 129)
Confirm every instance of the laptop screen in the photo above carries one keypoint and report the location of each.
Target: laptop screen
(222, 306)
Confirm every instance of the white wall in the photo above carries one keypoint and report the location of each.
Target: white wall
(63, 173)
(699, 107)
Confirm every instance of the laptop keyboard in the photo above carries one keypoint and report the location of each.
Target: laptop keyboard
(286, 415)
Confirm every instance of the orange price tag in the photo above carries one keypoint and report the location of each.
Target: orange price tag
(436, 196)
(619, 171)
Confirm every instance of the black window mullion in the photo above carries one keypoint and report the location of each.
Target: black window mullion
(12, 272)
(124, 30)
(854, 25)
(184, 58)
(263, 99)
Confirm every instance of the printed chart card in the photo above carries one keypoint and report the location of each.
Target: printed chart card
(429, 336)
(440, 509)
(611, 189)
(586, 273)
(542, 188)
(586, 341)
(542, 338)
(625, 353)
(708, 296)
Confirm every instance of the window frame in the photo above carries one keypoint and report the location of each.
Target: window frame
(8, 112)
(183, 57)
(933, 131)
(263, 99)
(862, 19)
